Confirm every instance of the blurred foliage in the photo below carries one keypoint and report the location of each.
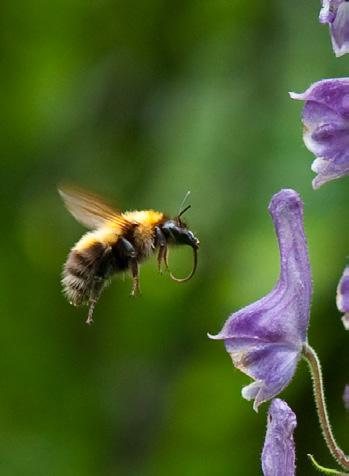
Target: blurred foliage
(142, 101)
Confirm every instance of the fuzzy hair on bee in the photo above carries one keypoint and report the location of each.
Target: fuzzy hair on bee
(117, 242)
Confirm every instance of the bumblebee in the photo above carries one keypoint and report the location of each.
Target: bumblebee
(118, 242)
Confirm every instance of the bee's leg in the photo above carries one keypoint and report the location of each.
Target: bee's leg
(160, 240)
(136, 290)
(162, 257)
(95, 293)
(102, 270)
(132, 255)
(92, 303)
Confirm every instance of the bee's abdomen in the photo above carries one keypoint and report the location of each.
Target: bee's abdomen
(83, 270)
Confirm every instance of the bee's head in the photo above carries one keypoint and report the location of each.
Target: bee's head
(177, 233)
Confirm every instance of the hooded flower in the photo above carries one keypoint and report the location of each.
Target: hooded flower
(265, 339)
(336, 14)
(343, 296)
(326, 127)
(278, 456)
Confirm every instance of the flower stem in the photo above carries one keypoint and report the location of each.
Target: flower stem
(315, 369)
(324, 470)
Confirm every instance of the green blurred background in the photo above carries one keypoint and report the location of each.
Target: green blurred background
(141, 101)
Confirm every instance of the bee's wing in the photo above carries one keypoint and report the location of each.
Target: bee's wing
(90, 210)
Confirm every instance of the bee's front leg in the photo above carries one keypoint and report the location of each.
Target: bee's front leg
(134, 267)
(160, 240)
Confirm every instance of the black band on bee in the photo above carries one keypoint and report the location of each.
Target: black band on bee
(80, 269)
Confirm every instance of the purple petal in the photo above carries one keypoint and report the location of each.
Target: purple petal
(346, 397)
(342, 298)
(336, 14)
(328, 11)
(343, 291)
(265, 338)
(326, 15)
(272, 367)
(278, 456)
(339, 30)
(326, 128)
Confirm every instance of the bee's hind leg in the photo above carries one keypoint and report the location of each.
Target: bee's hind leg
(134, 267)
(92, 304)
(136, 290)
(94, 296)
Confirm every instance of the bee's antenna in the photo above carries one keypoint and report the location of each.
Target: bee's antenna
(182, 210)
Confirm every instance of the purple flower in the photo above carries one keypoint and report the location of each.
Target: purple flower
(346, 397)
(343, 296)
(265, 339)
(278, 456)
(336, 14)
(326, 127)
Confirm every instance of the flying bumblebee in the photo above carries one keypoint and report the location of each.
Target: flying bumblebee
(118, 242)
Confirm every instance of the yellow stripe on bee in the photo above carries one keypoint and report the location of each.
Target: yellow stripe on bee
(144, 217)
(105, 236)
(111, 231)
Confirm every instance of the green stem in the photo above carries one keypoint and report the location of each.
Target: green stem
(315, 369)
(322, 469)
